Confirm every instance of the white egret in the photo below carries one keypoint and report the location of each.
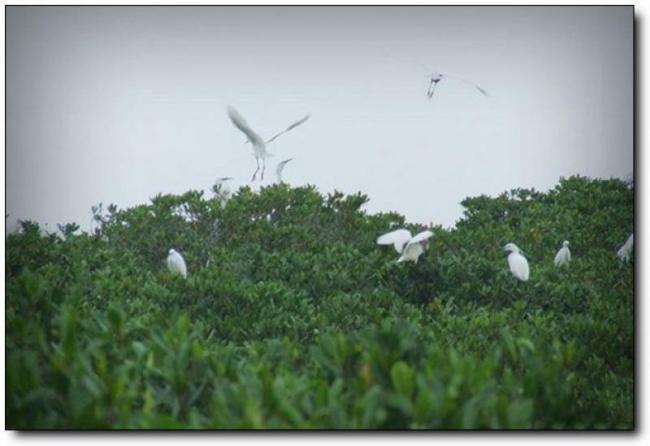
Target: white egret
(626, 250)
(221, 191)
(280, 168)
(410, 248)
(517, 262)
(435, 78)
(563, 256)
(259, 146)
(176, 263)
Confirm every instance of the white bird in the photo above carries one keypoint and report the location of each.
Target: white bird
(517, 263)
(221, 191)
(626, 250)
(280, 168)
(259, 146)
(435, 78)
(176, 263)
(410, 248)
(219, 187)
(563, 256)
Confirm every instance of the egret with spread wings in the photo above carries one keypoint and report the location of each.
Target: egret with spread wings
(410, 247)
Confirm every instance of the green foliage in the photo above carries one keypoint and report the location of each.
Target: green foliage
(292, 317)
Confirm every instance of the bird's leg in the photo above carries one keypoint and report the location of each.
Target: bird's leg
(256, 170)
(263, 167)
(432, 87)
(430, 90)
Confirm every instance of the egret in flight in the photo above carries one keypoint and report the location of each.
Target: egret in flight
(176, 263)
(410, 247)
(626, 250)
(280, 168)
(259, 146)
(517, 262)
(563, 256)
(435, 78)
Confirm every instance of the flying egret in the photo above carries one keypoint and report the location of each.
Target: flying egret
(435, 78)
(259, 146)
(626, 250)
(176, 263)
(280, 168)
(563, 256)
(410, 248)
(517, 263)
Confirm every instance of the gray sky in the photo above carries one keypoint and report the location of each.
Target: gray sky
(117, 104)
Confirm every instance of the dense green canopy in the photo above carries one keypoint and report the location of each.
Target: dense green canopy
(292, 317)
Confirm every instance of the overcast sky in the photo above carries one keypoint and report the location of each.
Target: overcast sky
(117, 104)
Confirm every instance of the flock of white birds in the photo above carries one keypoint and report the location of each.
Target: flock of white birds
(409, 247)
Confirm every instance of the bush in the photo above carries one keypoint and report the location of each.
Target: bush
(292, 317)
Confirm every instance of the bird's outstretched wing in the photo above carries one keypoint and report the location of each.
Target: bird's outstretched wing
(421, 237)
(291, 127)
(397, 238)
(239, 122)
(481, 90)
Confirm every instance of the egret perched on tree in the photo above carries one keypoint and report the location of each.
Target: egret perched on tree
(280, 168)
(625, 250)
(517, 263)
(563, 256)
(221, 191)
(259, 146)
(409, 247)
(176, 263)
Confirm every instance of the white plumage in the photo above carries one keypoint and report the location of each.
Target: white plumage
(626, 250)
(280, 168)
(259, 146)
(176, 263)
(517, 263)
(397, 238)
(563, 256)
(288, 129)
(410, 248)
